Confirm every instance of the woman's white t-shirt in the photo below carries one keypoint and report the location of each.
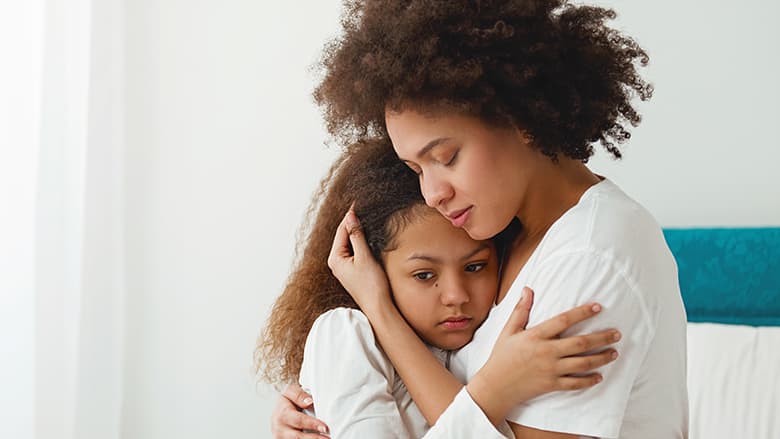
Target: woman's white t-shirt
(606, 249)
(358, 393)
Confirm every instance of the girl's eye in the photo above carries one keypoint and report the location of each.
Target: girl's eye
(423, 275)
(473, 268)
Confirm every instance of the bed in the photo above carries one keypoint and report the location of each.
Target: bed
(730, 281)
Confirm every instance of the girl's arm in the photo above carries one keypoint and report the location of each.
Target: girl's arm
(524, 364)
(350, 378)
(353, 383)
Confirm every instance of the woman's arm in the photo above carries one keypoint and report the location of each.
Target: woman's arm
(287, 420)
(524, 364)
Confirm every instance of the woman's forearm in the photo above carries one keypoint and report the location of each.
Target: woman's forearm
(430, 384)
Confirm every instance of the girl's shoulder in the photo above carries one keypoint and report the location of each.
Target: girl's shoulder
(342, 316)
(340, 329)
(342, 342)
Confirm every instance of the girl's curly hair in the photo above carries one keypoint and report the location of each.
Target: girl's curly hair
(386, 196)
(553, 69)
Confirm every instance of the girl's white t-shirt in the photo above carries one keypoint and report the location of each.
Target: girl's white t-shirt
(358, 393)
(606, 249)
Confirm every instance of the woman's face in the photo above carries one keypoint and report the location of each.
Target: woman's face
(443, 282)
(472, 173)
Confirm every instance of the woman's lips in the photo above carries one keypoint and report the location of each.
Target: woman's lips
(459, 218)
(456, 323)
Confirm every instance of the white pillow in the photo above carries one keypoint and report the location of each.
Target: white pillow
(733, 381)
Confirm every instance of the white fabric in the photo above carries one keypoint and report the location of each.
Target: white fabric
(606, 249)
(21, 36)
(358, 394)
(733, 381)
(69, 132)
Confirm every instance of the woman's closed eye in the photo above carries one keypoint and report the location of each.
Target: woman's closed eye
(451, 160)
(415, 168)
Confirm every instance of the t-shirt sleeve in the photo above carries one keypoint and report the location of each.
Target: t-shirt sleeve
(560, 283)
(350, 379)
(464, 419)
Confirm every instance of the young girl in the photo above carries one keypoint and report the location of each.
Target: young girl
(443, 283)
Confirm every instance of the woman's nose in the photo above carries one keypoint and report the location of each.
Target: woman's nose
(435, 190)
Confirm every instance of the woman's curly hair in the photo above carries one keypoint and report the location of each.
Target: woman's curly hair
(386, 196)
(553, 69)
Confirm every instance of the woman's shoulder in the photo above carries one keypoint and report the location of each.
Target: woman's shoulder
(609, 225)
(606, 220)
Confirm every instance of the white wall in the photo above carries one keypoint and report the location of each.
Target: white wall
(706, 153)
(225, 147)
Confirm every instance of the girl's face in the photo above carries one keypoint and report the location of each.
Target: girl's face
(444, 283)
(472, 173)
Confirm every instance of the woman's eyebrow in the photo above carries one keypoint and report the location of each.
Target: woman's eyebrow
(430, 145)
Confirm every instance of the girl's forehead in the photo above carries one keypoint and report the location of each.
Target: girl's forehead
(431, 232)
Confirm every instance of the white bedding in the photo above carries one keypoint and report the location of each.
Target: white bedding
(733, 381)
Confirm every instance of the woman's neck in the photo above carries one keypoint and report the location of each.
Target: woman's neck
(556, 188)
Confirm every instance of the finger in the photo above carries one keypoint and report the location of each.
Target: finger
(356, 236)
(553, 327)
(580, 344)
(296, 434)
(578, 382)
(519, 317)
(340, 248)
(297, 396)
(577, 365)
(295, 420)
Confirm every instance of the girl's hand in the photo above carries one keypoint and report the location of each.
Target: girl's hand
(528, 363)
(354, 266)
(288, 422)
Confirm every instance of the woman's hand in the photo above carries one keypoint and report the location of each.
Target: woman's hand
(528, 363)
(287, 421)
(354, 266)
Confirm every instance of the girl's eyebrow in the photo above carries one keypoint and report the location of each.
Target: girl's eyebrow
(424, 257)
(479, 248)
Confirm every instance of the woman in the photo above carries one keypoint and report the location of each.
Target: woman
(496, 105)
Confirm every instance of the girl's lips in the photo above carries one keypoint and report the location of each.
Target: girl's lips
(455, 324)
(461, 217)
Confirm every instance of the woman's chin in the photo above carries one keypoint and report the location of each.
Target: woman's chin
(478, 234)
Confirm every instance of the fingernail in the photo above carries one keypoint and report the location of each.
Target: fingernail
(322, 429)
(599, 378)
(307, 401)
(596, 307)
(614, 355)
(616, 336)
(351, 220)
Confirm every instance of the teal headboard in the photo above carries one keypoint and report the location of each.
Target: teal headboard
(729, 275)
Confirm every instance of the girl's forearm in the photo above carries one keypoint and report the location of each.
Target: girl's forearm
(430, 384)
(486, 391)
